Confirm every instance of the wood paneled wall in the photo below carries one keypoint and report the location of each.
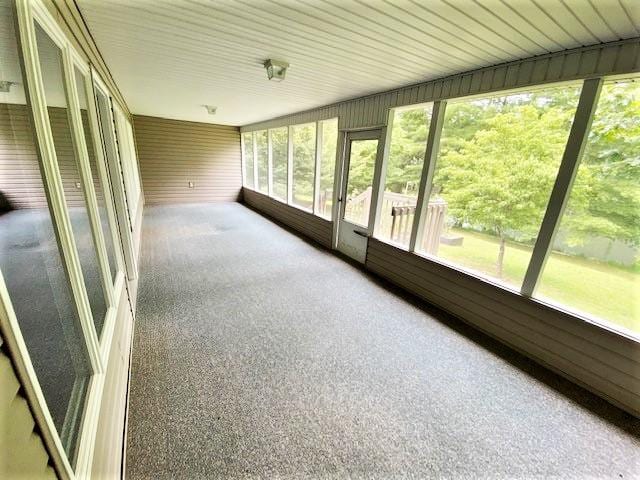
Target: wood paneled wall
(173, 153)
(20, 178)
(22, 452)
(312, 226)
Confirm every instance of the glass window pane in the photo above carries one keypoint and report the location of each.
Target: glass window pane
(327, 167)
(263, 161)
(304, 156)
(404, 169)
(497, 163)
(594, 266)
(279, 146)
(128, 163)
(247, 155)
(362, 161)
(52, 77)
(97, 183)
(31, 261)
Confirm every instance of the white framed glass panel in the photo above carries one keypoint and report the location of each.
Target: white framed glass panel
(279, 147)
(495, 169)
(128, 162)
(594, 266)
(247, 155)
(31, 259)
(51, 66)
(327, 168)
(404, 167)
(303, 164)
(262, 159)
(362, 161)
(99, 187)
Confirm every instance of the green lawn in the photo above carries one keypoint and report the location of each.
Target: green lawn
(599, 289)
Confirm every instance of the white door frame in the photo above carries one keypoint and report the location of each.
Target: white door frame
(352, 239)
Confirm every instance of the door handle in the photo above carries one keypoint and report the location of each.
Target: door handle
(362, 234)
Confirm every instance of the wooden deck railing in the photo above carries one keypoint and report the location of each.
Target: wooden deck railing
(397, 215)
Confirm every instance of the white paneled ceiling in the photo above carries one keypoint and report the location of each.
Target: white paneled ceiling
(171, 57)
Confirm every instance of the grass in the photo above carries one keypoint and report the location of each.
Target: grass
(596, 288)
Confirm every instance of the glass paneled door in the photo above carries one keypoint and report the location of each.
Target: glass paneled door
(357, 198)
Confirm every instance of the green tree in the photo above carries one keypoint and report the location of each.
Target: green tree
(498, 165)
(605, 201)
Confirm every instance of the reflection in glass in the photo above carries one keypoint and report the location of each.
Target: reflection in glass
(594, 267)
(279, 146)
(497, 162)
(247, 155)
(362, 160)
(304, 161)
(52, 77)
(404, 170)
(97, 183)
(327, 167)
(263, 160)
(30, 258)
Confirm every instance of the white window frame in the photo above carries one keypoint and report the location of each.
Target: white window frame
(29, 12)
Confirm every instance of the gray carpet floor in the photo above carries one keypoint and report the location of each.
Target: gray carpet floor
(259, 355)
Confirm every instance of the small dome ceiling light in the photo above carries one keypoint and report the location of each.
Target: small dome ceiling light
(276, 69)
(211, 110)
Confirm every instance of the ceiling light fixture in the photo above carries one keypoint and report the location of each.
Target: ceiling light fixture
(276, 69)
(211, 110)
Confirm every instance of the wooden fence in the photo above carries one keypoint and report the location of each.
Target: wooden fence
(397, 215)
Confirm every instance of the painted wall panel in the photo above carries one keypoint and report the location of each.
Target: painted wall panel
(314, 227)
(173, 153)
(22, 452)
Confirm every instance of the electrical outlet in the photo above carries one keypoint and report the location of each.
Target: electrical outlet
(78, 186)
(191, 185)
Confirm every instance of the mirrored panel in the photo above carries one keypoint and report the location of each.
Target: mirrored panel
(75, 195)
(30, 257)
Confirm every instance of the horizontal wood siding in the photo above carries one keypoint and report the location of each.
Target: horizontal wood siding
(20, 178)
(22, 452)
(606, 59)
(604, 362)
(314, 227)
(173, 153)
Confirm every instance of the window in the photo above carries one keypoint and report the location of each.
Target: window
(128, 162)
(100, 188)
(594, 266)
(31, 260)
(75, 195)
(497, 163)
(247, 155)
(362, 160)
(262, 159)
(404, 169)
(279, 148)
(304, 161)
(327, 159)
